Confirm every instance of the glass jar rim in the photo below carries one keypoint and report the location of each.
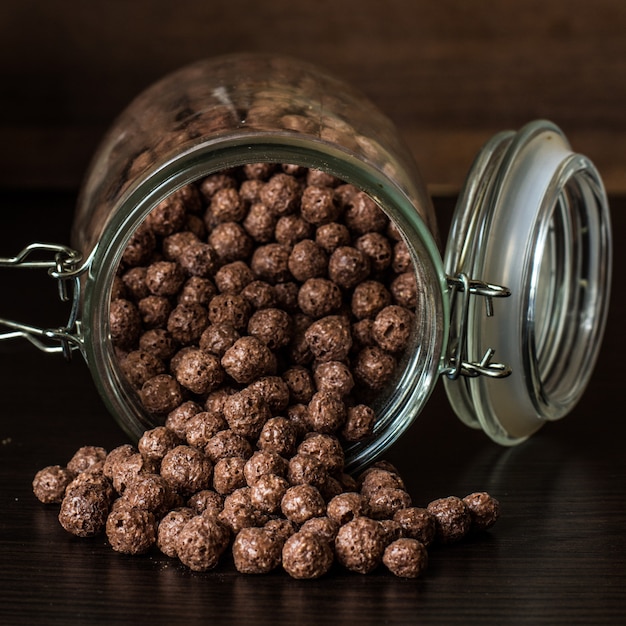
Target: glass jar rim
(421, 371)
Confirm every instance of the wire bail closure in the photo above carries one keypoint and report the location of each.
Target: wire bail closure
(457, 357)
(64, 266)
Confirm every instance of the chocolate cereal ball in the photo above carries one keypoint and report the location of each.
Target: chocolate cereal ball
(307, 260)
(206, 502)
(131, 530)
(300, 383)
(134, 281)
(233, 277)
(154, 311)
(199, 371)
(158, 342)
(199, 259)
(331, 236)
(202, 427)
(270, 262)
(231, 309)
(324, 527)
(306, 555)
(140, 247)
(155, 443)
(187, 469)
(319, 297)
(318, 205)
(373, 367)
(227, 206)
(239, 512)
(384, 503)
(290, 229)
(256, 551)
(168, 216)
(302, 502)
(139, 366)
(86, 458)
(403, 290)
(326, 412)
(345, 507)
(124, 323)
(150, 492)
(359, 545)
(281, 194)
(50, 482)
(196, 290)
(329, 338)
(369, 298)
(280, 528)
(416, 523)
(259, 294)
(84, 510)
(228, 474)
(260, 223)
(452, 518)
(261, 463)
(169, 528)
(201, 542)
(278, 435)
(484, 510)
(178, 418)
(230, 241)
(248, 359)
(305, 469)
(326, 448)
(187, 322)
(267, 493)
(406, 558)
(164, 278)
(334, 376)
(217, 338)
(174, 244)
(273, 390)
(359, 424)
(161, 394)
(272, 326)
(392, 328)
(363, 215)
(226, 443)
(348, 267)
(246, 412)
(377, 248)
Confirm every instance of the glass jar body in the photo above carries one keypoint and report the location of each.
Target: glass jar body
(238, 110)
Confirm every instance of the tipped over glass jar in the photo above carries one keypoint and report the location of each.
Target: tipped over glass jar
(525, 274)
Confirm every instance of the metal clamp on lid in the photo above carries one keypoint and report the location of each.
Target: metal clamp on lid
(457, 357)
(64, 265)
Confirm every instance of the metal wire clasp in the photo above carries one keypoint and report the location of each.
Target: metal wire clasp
(63, 264)
(457, 362)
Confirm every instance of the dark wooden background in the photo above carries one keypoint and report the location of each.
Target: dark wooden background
(450, 73)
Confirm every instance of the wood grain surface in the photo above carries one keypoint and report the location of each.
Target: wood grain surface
(448, 73)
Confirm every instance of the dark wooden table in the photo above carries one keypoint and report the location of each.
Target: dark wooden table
(557, 556)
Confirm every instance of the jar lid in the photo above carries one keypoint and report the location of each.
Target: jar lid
(533, 217)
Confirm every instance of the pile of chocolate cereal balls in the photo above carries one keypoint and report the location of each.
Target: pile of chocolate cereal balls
(254, 314)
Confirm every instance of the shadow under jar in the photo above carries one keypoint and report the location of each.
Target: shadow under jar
(526, 272)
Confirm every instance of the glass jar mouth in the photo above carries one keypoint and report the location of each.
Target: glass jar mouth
(419, 371)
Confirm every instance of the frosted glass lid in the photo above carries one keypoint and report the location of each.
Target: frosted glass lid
(532, 217)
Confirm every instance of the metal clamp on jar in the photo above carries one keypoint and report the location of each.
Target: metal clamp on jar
(512, 317)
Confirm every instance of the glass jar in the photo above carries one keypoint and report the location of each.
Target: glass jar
(526, 272)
